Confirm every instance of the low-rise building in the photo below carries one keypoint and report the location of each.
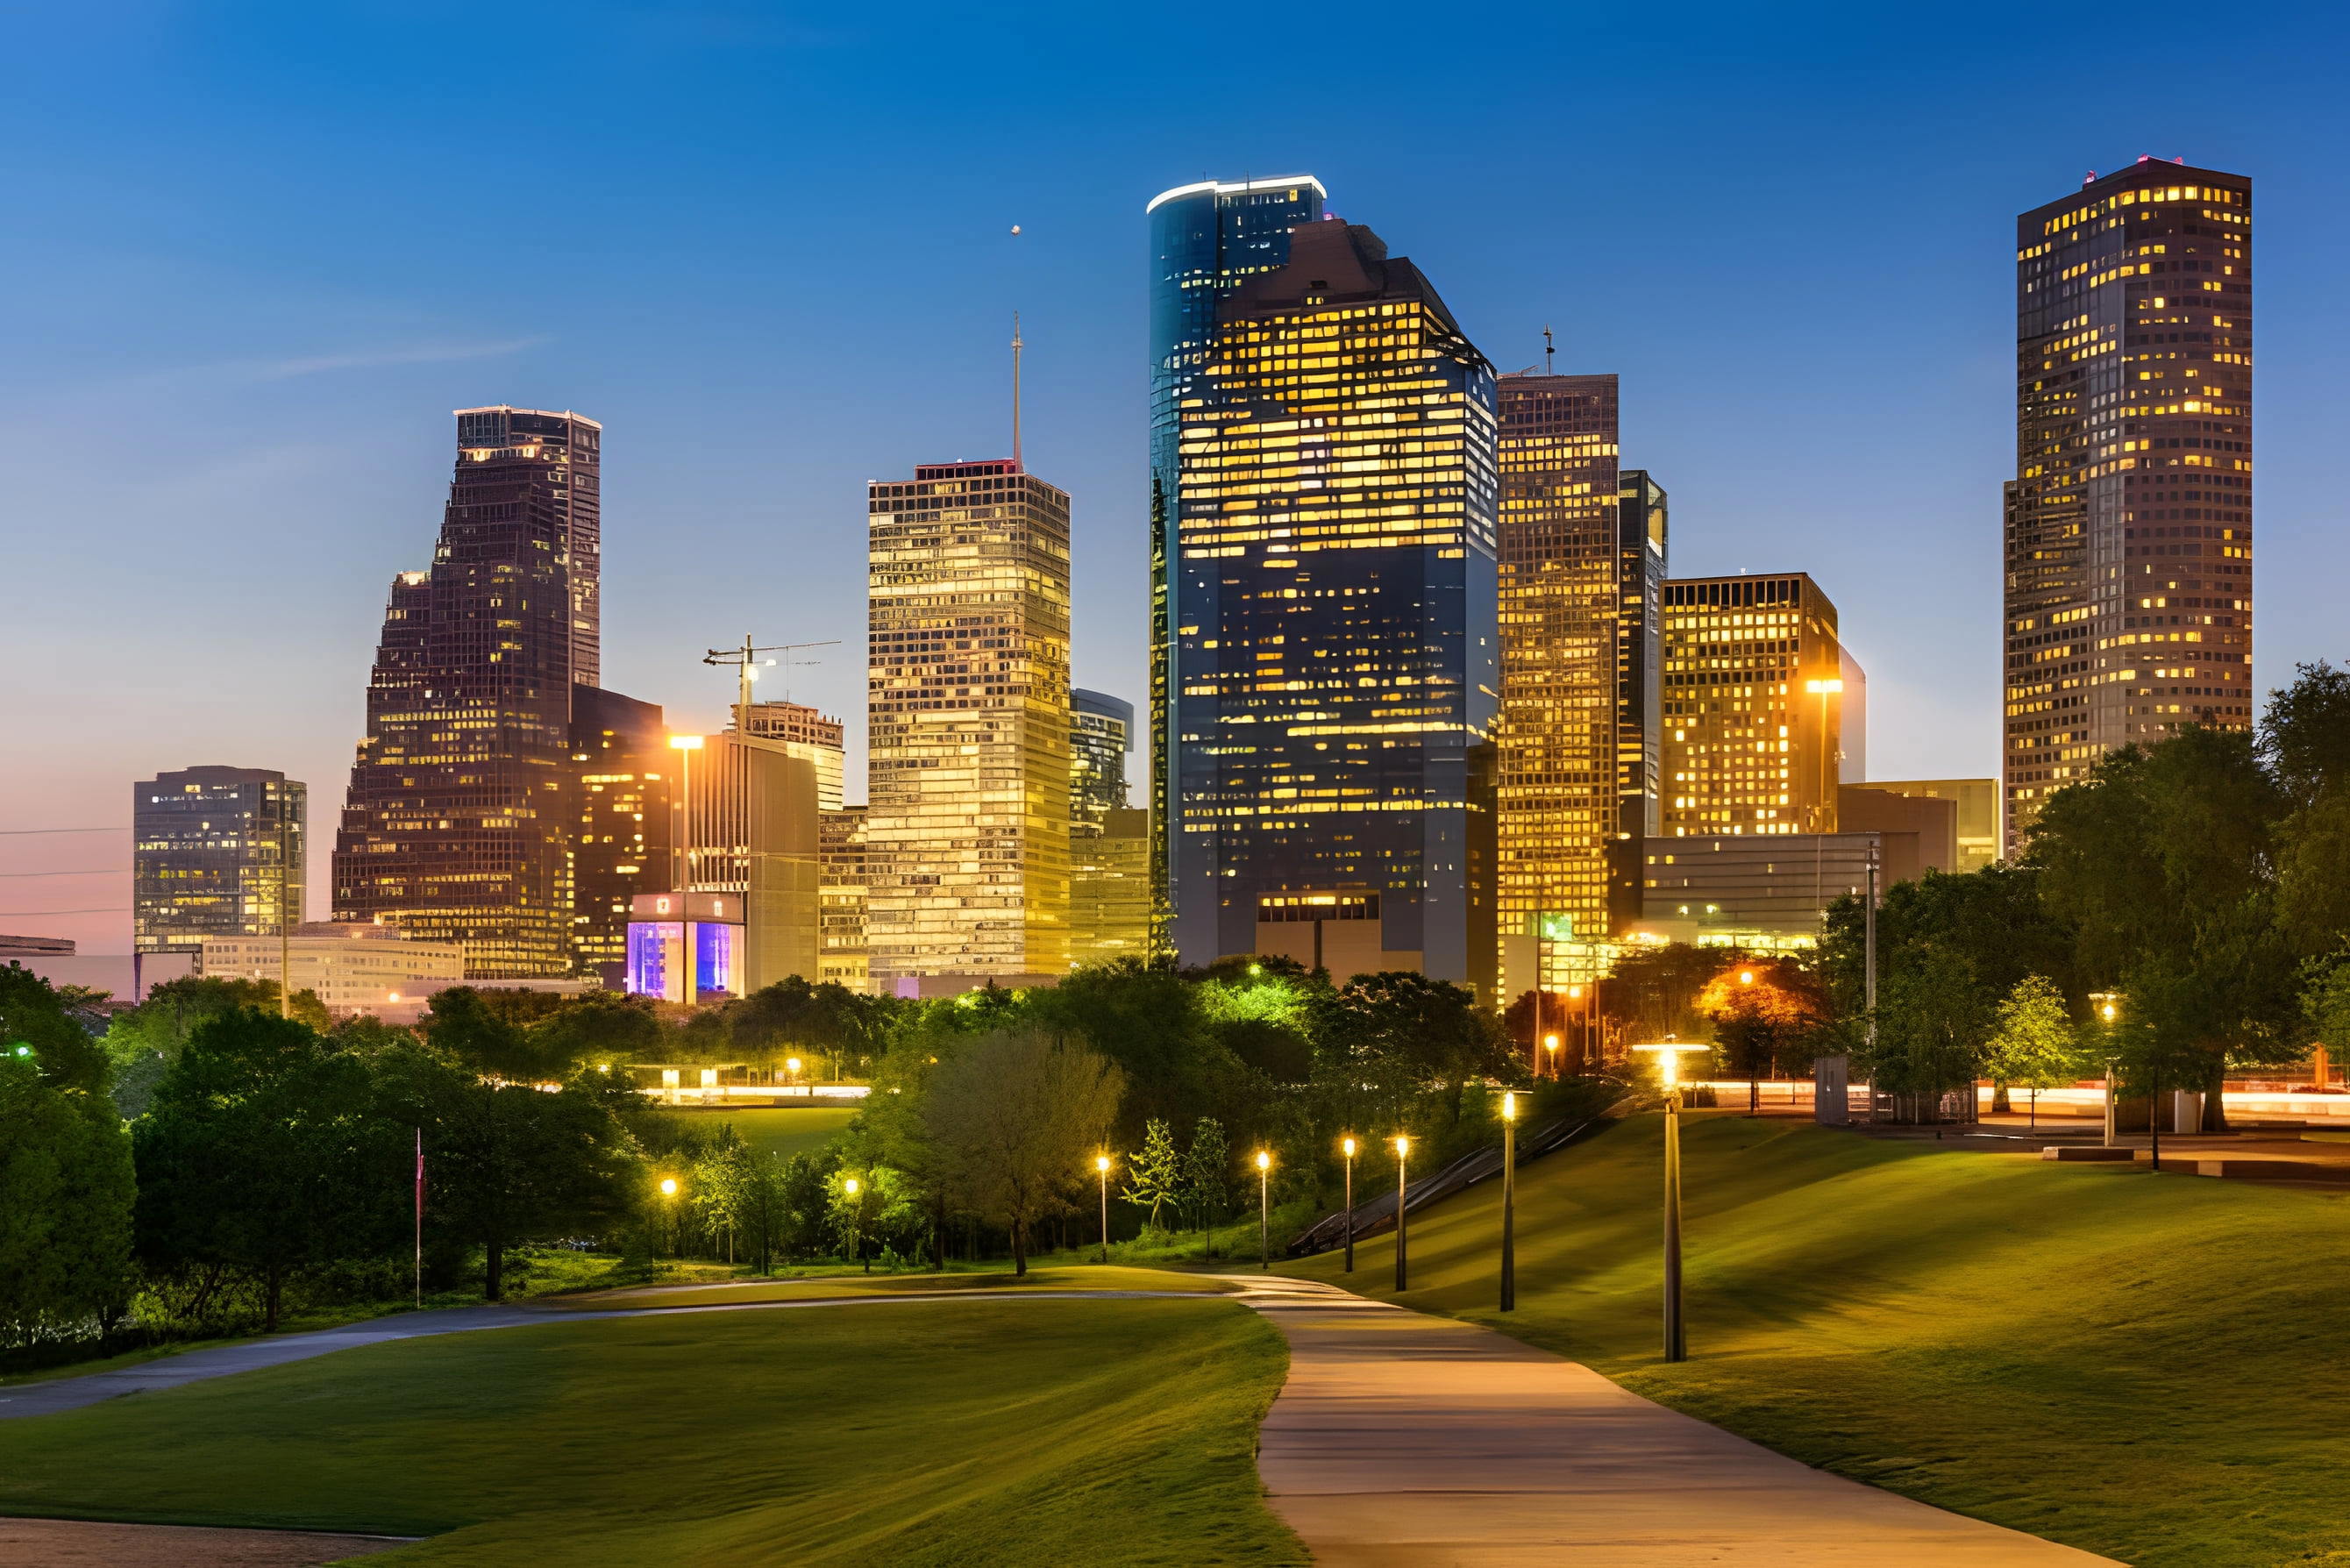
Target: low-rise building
(351, 967)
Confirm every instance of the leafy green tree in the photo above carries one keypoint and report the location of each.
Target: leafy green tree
(2325, 998)
(1932, 1017)
(1014, 1117)
(506, 1165)
(1155, 1172)
(480, 1034)
(2033, 1043)
(259, 1152)
(1207, 1173)
(66, 1184)
(590, 1031)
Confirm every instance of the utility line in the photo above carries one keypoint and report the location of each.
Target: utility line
(34, 914)
(21, 832)
(104, 871)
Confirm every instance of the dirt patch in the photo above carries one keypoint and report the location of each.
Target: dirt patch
(77, 1543)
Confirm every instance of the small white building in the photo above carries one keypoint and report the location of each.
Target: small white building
(352, 968)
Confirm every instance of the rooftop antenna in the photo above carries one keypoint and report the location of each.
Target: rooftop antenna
(1015, 394)
(1548, 350)
(747, 665)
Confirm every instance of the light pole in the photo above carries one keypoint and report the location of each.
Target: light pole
(1264, 1210)
(852, 1187)
(669, 1209)
(1102, 1168)
(1348, 1144)
(1550, 1043)
(792, 1066)
(1668, 1054)
(285, 905)
(1403, 1155)
(1824, 689)
(1509, 1202)
(1582, 1031)
(2107, 1011)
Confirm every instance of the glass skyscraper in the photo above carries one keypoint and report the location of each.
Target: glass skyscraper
(212, 851)
(1753, 706)
(1205, 240)
(967, 825)
(1336, 645)
(2129, 523)
(455, 828)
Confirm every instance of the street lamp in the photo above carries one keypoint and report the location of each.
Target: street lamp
(669, 1209)
(1668, 1054)
(792, 1066)
(1403, 1154)
(2108, 1010)
(1509, 1202)
(1102, 1168)
(1264, 1212)
(682, 856)
(1550, 1043)
(851, 1185)
(1583, 1030)
(1348, 1144)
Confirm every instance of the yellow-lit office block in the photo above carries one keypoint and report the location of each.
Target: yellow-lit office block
(1753, 704)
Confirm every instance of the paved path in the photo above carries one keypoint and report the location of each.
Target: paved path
(79, 1544)
(1402, 1440)
(1399, 1440)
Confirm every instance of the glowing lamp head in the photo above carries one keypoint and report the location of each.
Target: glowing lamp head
(1575, 993)
(685, 743)
(1101, 1163)
(1668, 1058)
(850, 1186)
(1824, 687)
(1746, 977)
(1264, 1161)
(790, 1064)
(1550, 1042)
(2109, 1010)
(1348, 1145)
(1509, 1108)
(1403, 1145)
(668, 1187)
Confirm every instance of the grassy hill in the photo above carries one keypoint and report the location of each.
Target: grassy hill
(925, 1435)
(2148, 1366)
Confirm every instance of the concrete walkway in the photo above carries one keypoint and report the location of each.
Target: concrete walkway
(81, 1543)
(1402, 1440)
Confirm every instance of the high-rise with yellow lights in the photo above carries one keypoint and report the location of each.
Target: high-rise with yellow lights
(967, 824)
(1556, 798)
(2129, 523)
(1335, 647)
(1753, 706)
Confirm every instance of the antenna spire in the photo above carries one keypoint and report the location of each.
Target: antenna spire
(1016, 467)
(1549, 350)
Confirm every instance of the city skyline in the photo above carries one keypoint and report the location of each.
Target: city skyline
(380, 346)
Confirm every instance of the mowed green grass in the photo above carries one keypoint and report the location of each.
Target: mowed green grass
(921, 1434)
(2151, 1368)
(821, 1287)
(782, 1131)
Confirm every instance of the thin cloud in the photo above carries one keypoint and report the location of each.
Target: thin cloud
(370, 359)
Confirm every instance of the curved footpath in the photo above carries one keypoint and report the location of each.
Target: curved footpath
(1399, 1440)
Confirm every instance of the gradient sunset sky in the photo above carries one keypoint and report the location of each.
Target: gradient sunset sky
(255, 255)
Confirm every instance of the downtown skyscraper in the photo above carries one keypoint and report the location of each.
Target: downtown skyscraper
(456, 826)
(1206, 239)
(2128, 529)
(215, 852)
(1336, 650)
(967, 820)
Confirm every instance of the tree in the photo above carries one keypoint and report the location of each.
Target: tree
(2325, 998)
(1208, 1172)
(260, 1152)
(1155, 1172)
(2033, 1043)
(1766, 1012)
(468, 1028)
(1932, 1017)
(592, 1030)
(1014, 1117)
(65, 1185)
(507, 1164)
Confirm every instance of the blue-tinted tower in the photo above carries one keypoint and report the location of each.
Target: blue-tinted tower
(1205, 239)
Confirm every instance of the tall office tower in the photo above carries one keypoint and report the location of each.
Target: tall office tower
(1753, 705)
(840, 921)
(751, 828)
(1335, 617)
(1557, 791)
(806, 733)
(967, 827)
(454, 826)
(620, 822)
(1639, 683)
(2129, 523)
(211, 850)
(1101, 731)
(1205, 241)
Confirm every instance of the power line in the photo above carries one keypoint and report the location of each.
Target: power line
(22, 832)
(36, 914)
(105, 871)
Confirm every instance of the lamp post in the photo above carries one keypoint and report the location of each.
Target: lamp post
(792, 1066)
(1824, 689)
(1348, 1144)
(1403, 1155)
(1509, 1202)
(1582, 1031)
(1550, 1043)
(1669, 1055)
(2106, 1013)
(669, 1209)
(1102, 1168)
(1264, 1210)
(852, 1187)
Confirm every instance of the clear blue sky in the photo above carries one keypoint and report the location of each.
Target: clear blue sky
(253, 254)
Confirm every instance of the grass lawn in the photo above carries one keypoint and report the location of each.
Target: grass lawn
(2147, 1366)
(781, 1130)
(929, 1434)
(1076, 1277)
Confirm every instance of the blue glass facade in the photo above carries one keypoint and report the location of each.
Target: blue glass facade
(1335, 623)
(1205, 240)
